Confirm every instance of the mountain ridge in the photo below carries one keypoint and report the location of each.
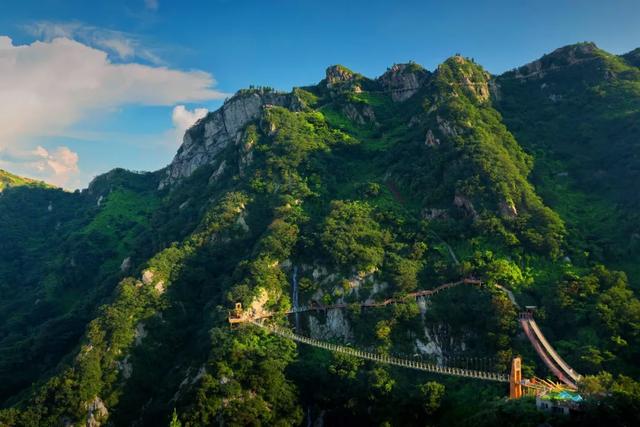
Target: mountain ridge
(346, 192)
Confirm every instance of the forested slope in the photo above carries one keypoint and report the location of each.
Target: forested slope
(116, 298)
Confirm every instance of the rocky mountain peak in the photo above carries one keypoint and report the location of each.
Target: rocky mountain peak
(338, 74)
(211, 135)
(559, 58)
(463, 74)
(403, 80)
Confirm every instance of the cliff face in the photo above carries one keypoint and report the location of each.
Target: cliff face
(203, 142)
(212, 134)
(402, 81)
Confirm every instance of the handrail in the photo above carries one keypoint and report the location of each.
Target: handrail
(371, 304)
(381, 358)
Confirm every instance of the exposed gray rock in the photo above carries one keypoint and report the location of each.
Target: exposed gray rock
(360, 114)
(337, 75)
(336, 326)
(463, 202)
(140, 333)
(218, 172)
(434, 213)
(210, 135)
(431, 140)
(402, 81)
(507, 209)
(242, 223)
(494, 90)
(125, 265)
(447, 128)
(97, 412)
(125, 367)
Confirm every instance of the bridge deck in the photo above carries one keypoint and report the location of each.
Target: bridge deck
(381, 358)
(548, 354)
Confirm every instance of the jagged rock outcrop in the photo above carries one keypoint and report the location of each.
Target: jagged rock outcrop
(472, 78)
(461, 201)
(125, 265)
(340, 80)
(218, 172)
(430, 140)
(447, 128)
(337, 75)
(96, 412)
(402, 81)
(361, 114)
(211, 135)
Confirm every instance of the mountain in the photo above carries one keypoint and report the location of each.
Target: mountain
(9, 180)
(352, 193)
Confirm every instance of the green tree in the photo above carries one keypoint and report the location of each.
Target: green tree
(175, 422)
(352, 237)
(432, 393)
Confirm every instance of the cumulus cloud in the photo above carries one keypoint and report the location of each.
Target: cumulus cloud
(47, 86)
(62, 161)
(56, 166)
(183, 119)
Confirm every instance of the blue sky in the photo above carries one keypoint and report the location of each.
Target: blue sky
(196, 52)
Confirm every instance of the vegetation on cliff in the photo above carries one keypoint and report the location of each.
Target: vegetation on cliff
(346, 193)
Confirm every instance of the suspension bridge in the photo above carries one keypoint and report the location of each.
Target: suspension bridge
(241, 316)
(518, 386)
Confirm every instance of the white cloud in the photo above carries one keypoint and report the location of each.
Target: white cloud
(62, 162)
(119, 44)
(151, 4)
(47, 86)
(56, 166)
(183, 119)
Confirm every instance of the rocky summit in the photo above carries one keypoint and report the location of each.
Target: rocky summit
(360, 251)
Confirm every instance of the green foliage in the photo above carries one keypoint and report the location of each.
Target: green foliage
(432, 393)
(351, 237)
(344, 366)
(246, 385)
(411, 195)
(8, 180)
(580, 119)
(175, 422)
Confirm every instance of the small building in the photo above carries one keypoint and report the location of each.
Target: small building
(559, 402)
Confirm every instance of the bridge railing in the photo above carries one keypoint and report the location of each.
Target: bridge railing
(552, 352)
(381, 358)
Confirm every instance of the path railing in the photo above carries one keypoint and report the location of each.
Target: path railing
(381, 358)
